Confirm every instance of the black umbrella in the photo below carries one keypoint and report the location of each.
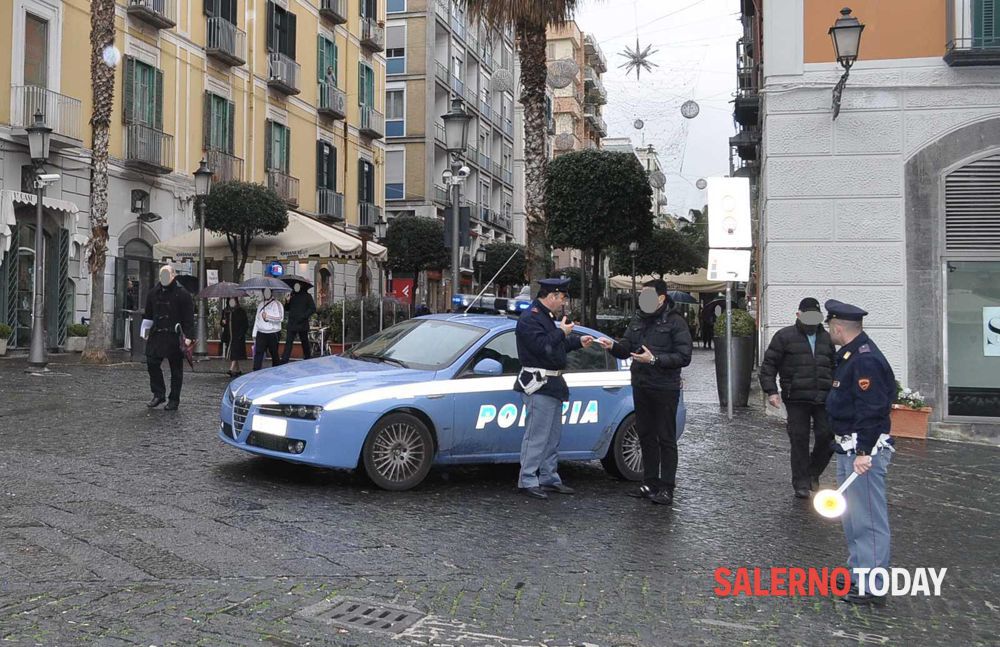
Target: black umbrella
(292, 279)
(264, 282)
(681, 297)
(222, 290)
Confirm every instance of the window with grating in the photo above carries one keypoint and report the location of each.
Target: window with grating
(972, 208)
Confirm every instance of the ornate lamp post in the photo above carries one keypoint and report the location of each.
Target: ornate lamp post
(202, 187)
(846, 35)
(633, 247)
(456, 135)
(38, 148)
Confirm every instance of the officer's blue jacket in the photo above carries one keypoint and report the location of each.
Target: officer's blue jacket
(542, 344)
(864, 388)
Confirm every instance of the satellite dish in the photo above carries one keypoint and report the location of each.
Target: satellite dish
(701, 183)
(638, 124)
(502, 81)
(690, 109)
(657, 179)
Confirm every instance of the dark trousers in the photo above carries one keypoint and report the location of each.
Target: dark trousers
(156, 385)
(656, 424)
(707, 334)
(805, 466)
(265, 343)
(303, 336)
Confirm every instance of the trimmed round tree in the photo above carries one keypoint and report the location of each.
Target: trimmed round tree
(243, 211)
(496, 255)
(414, 244)
(665, 251)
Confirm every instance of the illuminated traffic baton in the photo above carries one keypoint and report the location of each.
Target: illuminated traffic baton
(831, 503)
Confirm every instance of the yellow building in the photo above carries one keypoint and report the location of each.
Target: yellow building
(288, 93)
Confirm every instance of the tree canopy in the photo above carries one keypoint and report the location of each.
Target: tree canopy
(244, 211)
(666, 251)
(497, 254)
(414, 244)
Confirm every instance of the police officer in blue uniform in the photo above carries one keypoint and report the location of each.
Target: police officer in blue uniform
(541, 348)
(858, 406)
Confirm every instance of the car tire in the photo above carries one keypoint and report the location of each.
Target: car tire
(624, 457)
(398, 453)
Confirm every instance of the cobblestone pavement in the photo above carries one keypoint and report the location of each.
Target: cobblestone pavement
(120, 526)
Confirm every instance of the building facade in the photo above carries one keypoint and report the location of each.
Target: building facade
(285, 93)
(895, 205)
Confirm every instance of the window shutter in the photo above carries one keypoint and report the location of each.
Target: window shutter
(320, 59)
(128, 87)
(268, 145)
(336, 69)
(231, 126)
(231, 11)
(271, 45)
(158, 99)
(972, 208)
(361, 84)
(210, 8)
(361, 182)
(331, 167)
(207, 121)
(291, 35)
(320, 165)
(286, 146)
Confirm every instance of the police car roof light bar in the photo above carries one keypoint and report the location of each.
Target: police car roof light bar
(490, 282)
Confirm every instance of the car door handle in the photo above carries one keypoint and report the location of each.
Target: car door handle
(612, 388)
(435, 397)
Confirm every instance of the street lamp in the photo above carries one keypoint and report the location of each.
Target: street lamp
(456, 137)
(846, 35)
(38, 149)
(633, 247)
(202, 187)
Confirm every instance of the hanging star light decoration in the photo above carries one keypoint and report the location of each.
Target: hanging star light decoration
(638, 59)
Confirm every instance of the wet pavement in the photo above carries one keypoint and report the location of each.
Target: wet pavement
(123, 526)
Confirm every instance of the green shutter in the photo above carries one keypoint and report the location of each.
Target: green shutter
(268, 143)
(361, 84)
(158, 100)
(287, 148)
(271, 45)
(985, 23)
(336, 69)
(230, 127)
(320, 165)
(290, 35)
(207, 121)
(331, 168)
(128, 87)
(320, 59)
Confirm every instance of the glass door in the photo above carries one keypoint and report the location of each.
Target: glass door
(973, 338)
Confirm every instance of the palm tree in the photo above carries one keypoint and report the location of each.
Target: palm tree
(530, 18)
(102, 81)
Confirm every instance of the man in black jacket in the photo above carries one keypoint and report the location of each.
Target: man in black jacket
(802, 356)
(300, 308)
(170, 311)
(659, 342)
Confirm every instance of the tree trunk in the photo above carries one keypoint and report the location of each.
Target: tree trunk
(595, 285)
(102, 80)
(531, 52)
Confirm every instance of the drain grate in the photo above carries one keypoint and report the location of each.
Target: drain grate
(362, 614)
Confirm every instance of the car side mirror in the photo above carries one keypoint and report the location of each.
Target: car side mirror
(488, 367)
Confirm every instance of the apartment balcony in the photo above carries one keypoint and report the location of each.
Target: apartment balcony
(372, 35)
(595, 57)
(332, 101)
(594, 87)
(497, 170)
(161, 14)
(334, 10)
(486, 109)
(369, 213)
(283, 73)
(441, 9)
(330, 205)
(225, 42)
(62, 114)
(441, 73)
(441, 195)
(225, 167)
(457, 86)
(973, 32)
(372, 123)
(596, 121)
(148, 149)
(508, 127)
(507, 176)
(284, 185)
(484, 162)
(458, 25)
(472, 155)
(746, 109)
(439, 136)
(746, 142)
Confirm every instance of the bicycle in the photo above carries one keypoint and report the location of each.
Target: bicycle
(317, 342)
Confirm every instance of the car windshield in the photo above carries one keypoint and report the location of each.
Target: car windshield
(425, 344)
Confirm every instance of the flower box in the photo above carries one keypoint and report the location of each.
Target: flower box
(908, 422)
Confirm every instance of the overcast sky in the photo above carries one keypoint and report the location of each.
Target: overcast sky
(696, 58)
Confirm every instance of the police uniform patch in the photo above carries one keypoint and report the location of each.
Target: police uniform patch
(865, 348)
(535, 310)
(864, 383)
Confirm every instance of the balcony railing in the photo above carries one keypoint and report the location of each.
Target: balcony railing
(472, 155)
(334, 10)
(973, 31)
(329, 204)
(369, 213)
(457, 86)
(284, 185)
(458, 25)
(596, 121)
(148, 149)
(595, 57)
(485, 108)
(283, 73)
(441, 72)
(497, 170)
(225, 167)
(508, 127)
(372, 122)
(440, 194)
(439, 133)
(332, 101)
(441, 9)
(61, 113)
(508, 176)
(594, 87)
(484, 161)
(372, 35)
(161, 14)
(225, 42)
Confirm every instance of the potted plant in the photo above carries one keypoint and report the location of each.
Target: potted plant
(910, 413)
(5, 333)
(76, 339)
(744, 328)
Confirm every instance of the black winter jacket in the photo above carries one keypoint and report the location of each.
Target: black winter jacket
(667, 336)
(300, 308)
(805, 377)
(167, 307)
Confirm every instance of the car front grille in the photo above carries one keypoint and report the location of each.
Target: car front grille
(228, 430)
(267, 441)
(241, 408)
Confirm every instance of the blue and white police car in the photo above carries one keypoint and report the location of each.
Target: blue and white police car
(430, 390)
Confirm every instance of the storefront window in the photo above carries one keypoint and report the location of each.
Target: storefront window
(973, 338)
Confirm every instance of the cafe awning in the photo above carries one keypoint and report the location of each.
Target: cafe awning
(694, 282)
(10, 198)
(304, 239)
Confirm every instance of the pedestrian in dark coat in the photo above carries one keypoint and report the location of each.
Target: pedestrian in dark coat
(301, 308)
(170, 313)
(708, 318)
(659, 343)
(235, 325)
(802, 356)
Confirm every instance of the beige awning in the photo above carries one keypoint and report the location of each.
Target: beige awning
(695, 282)
(304, 239)
(9, 197)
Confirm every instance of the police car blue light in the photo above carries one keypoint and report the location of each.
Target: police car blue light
(436, 390)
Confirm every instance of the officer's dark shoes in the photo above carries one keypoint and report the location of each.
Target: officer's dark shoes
(642, 492)
(815, 484)
(560, 488)
(663, 497)
(801, 493)
(534, 492)
(155, 402)
(172, 406)
(867, 599)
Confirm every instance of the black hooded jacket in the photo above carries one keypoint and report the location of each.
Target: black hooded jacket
(805, 376)
(667, 336)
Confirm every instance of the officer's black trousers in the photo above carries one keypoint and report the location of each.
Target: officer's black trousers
(156, 384)
(656, 424)
(805, 466)
(303, 336)
(265, 342)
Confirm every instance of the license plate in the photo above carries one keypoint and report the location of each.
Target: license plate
(269, 425)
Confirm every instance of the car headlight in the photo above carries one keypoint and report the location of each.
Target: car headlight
(299, 411)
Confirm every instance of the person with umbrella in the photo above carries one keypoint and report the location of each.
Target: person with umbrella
(233, 322)
(168, 320)
(301, 308)
(267, 323)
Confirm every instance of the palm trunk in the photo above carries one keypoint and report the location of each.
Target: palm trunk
(531, 51)
(102, 77)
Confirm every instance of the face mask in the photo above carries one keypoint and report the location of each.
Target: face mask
(297, 287)
(232, 303)
(166, 277)
(811, 318)
(649, 300)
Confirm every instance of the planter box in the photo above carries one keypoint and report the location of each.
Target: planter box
(909, 423)
(743, 350)
(3, 347)
(76, 344)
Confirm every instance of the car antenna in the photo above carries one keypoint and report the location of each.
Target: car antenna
(490, 282)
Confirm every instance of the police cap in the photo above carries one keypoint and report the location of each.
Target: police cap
(548, 286)
(838, 310)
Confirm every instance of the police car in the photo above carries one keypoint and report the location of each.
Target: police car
(434, 390)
